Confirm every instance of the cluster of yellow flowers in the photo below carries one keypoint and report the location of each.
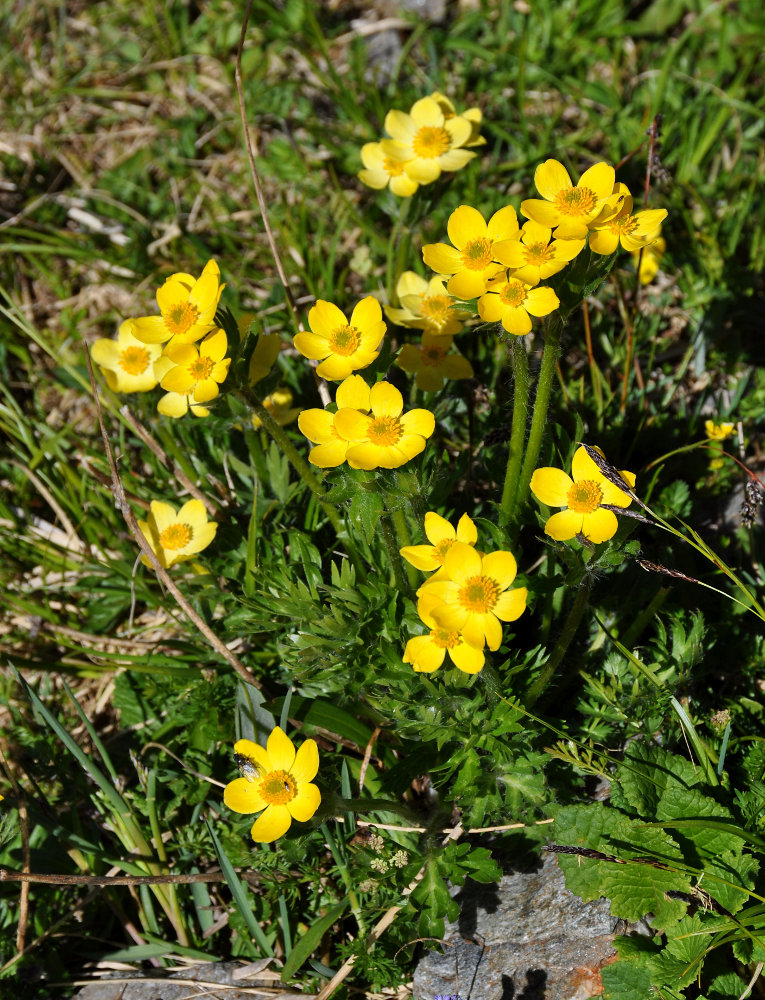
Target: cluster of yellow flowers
(190, 372)
(502, 263)
(429, 140)
(465, 598)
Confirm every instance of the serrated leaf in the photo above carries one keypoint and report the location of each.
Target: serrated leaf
(366, 510)
(647, 771)
(626, 981)
(678, 803)
(724, 869)
(680, 962)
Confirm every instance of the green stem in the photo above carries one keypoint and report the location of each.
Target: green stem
(396, 249)
(306, 473)
(394, 558)
(559, 651)
(404, 538)
(520, 366)
(554, 329)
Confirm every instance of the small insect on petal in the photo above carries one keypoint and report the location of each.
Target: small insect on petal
(247, 767)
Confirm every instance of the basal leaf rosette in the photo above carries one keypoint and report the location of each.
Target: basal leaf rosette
(583, 494)
(341, 346)
(569, 208)
(431, 363)
(176, 536)
(127, 363)
(187, 306)
(512, 303)
(426, 142)
(475, 598)
(441, 535)
(276, 782)
(471, 260)
(427, 653)
(386, 437)
(319, 425)
(427, 306)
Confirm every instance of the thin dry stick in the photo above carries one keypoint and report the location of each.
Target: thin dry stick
(18, 791)
(146, 549)
(367, 757)
(473, 829)
(159, 452)
(7, 875)
(255, 176)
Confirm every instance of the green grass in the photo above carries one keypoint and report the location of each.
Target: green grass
(122, 163)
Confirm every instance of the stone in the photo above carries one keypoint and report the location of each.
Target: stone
(527, 938)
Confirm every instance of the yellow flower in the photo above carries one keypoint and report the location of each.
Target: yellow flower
(470, 260)
(650, 259)
(718, 432)
(426, 653)
(571, 208)
(192, 374)
(382, 171)
(176, 537)
(385, 438)
(279, 405)
(127, 363)
(441, 536)
(474, 597)
(426, 305)
(344, 346)
(632, 231)
(187, 305)
(432, 364)
(534, 258)
(319, 425)
(425, 142)
(583, 497)
(276, 779)
(473, 115)
(512, 303)
(263, 356)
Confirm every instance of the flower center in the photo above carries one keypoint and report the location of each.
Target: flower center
(584, 496)
(180, 317)
(440, 550)
(201, 368)
(436, 308)
(344, 340)
(479, 594)
(624, 224)
(278, 787)
(513, 293)
(394, 168)
(134, 360)
(476, 256)
(430, 141)
(445, 639)
(433, 355)
(384, 431)
(175, 536)
(575, 201)
(538, 253)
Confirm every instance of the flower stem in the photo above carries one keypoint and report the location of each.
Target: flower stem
(520, 365)
(404, 538)
(397, 247)
(312, 481)
(554, 329)
(559, 650)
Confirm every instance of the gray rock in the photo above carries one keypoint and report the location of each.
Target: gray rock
(527, 938)
(195, 982)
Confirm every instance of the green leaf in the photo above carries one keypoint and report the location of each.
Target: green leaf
(239, 893)
(678, 803)
(724, 869)
(647, 771)
(626, 981)
(680, 962)
(366, 510)
(308, 943)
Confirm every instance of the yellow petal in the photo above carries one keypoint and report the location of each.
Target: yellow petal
(329, 455)
(541, 301)
(511, 604)
(317, 425)
(271, 824)
(500, 566)
(551, 486)
(353, 392)
(599, 178)
(461, 562)
(465, 224)
(386, 400)
(305, 803)
(421, 557)
(599, 525)
(243, 796)
(564, 525)
(467, 658)
(423, 654)
(281, 750)
(442, 258)
(325, 317)
(420, 422)
(551, 177)
(466, 530)
(438, 529)
(306, 762)
(503, 225)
